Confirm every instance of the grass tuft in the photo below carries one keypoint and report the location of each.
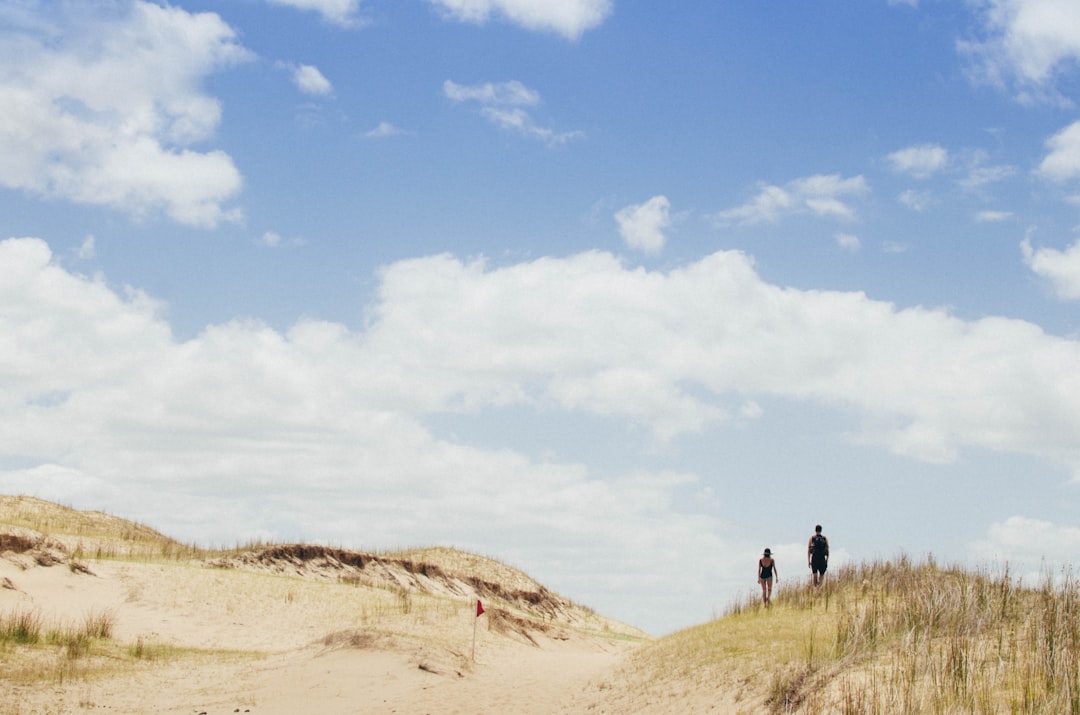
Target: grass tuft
(22, 627)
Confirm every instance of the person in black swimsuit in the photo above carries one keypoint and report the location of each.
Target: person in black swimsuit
(817, 556)
(766, 572)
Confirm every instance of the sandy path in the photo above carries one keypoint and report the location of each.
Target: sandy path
(519, 680)
(510, 680)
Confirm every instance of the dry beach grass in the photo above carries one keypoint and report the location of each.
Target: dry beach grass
(101, 614)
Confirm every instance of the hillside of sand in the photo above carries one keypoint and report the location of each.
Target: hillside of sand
(100, 613)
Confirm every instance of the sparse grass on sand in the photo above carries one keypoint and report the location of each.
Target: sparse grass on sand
(885, 637)
(92, 534)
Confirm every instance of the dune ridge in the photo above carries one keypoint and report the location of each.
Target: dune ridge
(270, 628)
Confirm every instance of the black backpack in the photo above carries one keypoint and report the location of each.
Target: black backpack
(819, 545)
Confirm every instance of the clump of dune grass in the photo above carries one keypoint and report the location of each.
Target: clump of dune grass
(34, 650)
(144, 649)
(887, 637)
(27, 627)
(21, 627)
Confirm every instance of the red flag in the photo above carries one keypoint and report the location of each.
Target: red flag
(479, 608)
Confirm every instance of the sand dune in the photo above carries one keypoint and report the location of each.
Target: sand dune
(288, 628)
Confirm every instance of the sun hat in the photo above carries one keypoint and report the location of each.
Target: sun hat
(768, 553)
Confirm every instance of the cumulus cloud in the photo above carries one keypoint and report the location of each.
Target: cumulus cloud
(993, 216)
(981, 176)
(1063, 161)
(848, 242)
(1033, 548)
(1060, 268)
(113, 105)
(600, 338)
(311, 81)
(819, 195)
(344, 13)
(384, 130)
(916, 200)
(920, 161)
(512, 93)
(642, 225)
(87, 249)
(569, 18)
(1024, 45)
(503, 104)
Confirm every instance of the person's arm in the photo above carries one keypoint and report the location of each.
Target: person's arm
(810, 552)
(826, 550)
(775, 571)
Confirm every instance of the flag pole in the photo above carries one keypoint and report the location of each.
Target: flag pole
(479, 612)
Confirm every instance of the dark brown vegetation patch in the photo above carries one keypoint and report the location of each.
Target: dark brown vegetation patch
(418, 576)
(17, 543)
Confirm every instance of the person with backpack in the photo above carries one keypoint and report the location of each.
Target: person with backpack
(817, 556)
(766, 572)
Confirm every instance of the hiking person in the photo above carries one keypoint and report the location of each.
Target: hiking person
(766, 572)
(817, 555)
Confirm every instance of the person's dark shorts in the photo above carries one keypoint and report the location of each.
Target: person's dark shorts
(818, 566)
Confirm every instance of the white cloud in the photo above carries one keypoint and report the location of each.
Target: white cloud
(273, 239)
(512, 93)
(1034, 548)
(1060, 268)
(520, 121)
(642, 225)
(569, 18)
(311, 81)
(112, 105)
(384, 130)
(920, 161)
(981, 176)
(502, 105)
(916, 200)
(818, 195)
(1026, 44)
(993, 216)
(86, 249)
(337, 12)
(751, 410)
(848, 242)
(449, 335)
(1063, 161)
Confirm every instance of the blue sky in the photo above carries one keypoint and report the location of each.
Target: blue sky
(618, 293)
